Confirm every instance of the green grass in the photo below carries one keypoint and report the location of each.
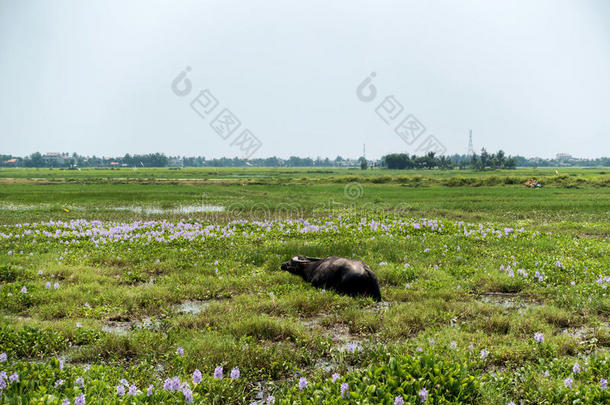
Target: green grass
(119, 309)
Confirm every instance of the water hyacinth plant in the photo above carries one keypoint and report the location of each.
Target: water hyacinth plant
(197, 377)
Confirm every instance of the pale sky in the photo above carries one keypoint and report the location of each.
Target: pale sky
(94, 77)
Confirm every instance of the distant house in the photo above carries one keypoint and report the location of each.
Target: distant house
(175, 162)
(561, 156)
(349, 163)
(11, 162)
(54, 159)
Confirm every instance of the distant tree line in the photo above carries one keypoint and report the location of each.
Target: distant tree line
(491, 161)
(403, 161)
(66, 160)
(482, 161)
(539, 162)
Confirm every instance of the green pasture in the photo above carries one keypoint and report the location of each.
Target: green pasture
(86, 294)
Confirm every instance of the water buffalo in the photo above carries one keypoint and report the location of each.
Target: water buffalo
(347, 276)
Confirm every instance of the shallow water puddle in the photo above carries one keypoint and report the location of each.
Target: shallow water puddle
(148, 210)
(21, 207)
(506, 300)
(192, 306)
(340, 335)
(117, 328)
(580, 333)
(183, 209)
(123, 328)
(380, 307)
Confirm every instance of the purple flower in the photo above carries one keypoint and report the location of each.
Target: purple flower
(13, 378)
(120, 390)
(167, 384)
(431, 341)
(453, 344)
(351, 348)
(235, 374)
(59, 383)
(56, 285)
(66, 402)
(484, 354)
(80, 381)
(2, 383)
(133, 390)
(80, 400)
(270, 400)
(150, 390)
(576, 368)
(24, 289)
(538, 337)
(124, 382)
(423, 394)
(426, 250)
(218, 372)
(302, 383)
(568, 382)
(2, 357)
(48, 285)
(399, 401)
(419, 349)
(188, 395)
(180, 351)
(197, 377)
(603, 384)
(175, 383)
(335, 377)
(344, 389)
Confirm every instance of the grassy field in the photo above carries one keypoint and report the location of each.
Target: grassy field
(164, 286)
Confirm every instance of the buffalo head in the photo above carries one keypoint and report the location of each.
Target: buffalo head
(297, 264)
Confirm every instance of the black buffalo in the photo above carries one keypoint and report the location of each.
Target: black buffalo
(347, 276)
